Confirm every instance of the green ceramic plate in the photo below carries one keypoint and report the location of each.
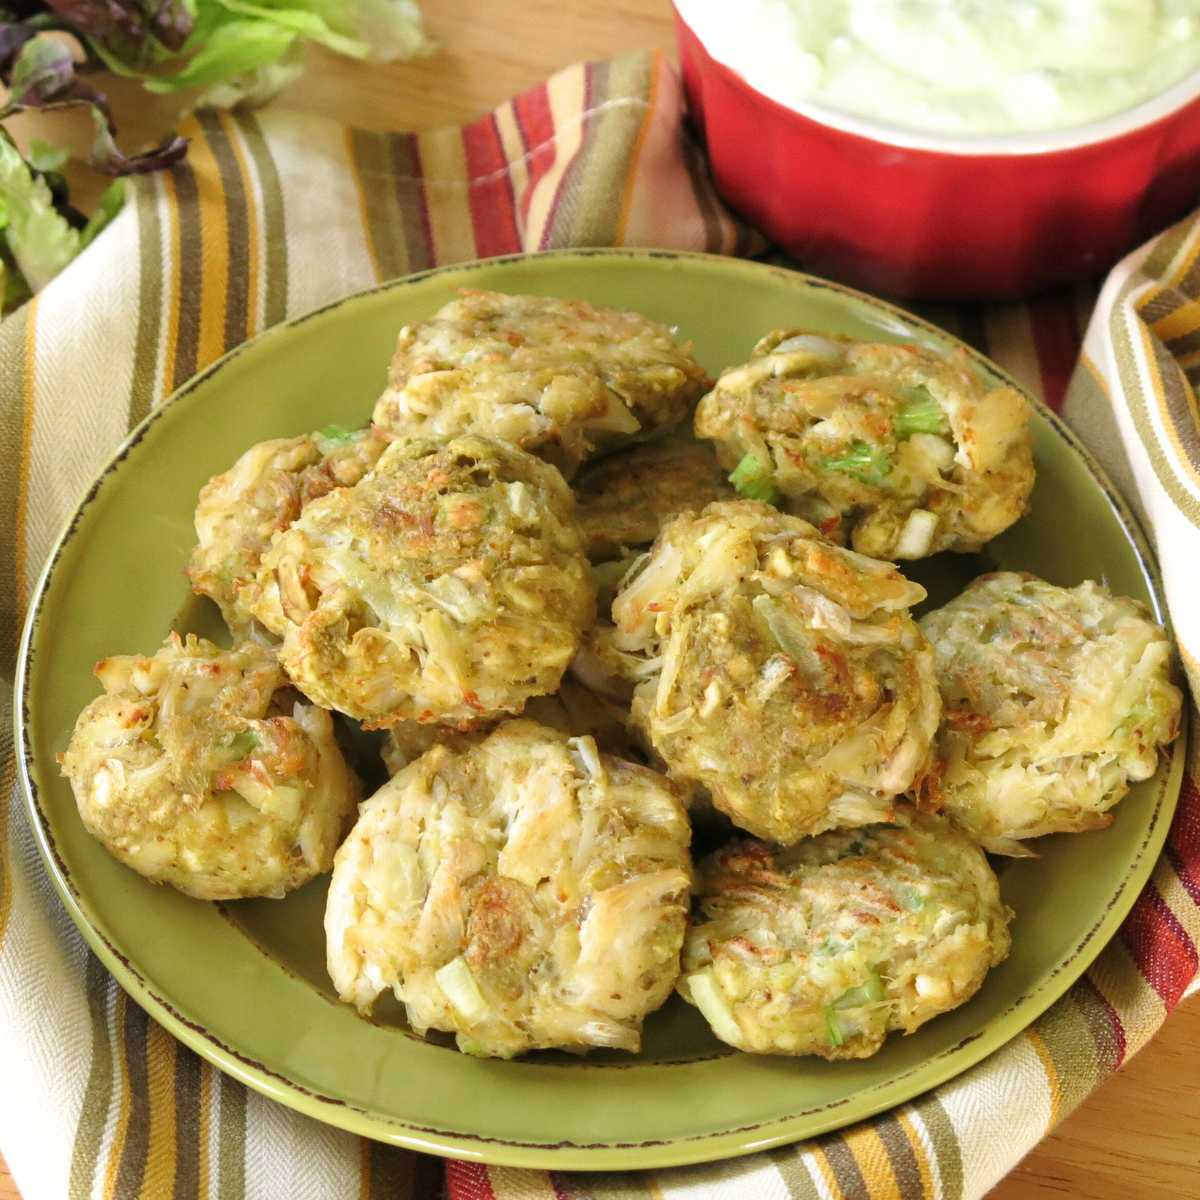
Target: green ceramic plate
(244, 984)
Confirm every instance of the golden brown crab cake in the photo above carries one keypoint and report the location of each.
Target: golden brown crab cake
(1055, 699)
(894, 449)
(624, 499)
(240, 510)
(449, 586)
(522, 892)
(561, 378)
(782, 673)
(826, 946)
(201, 768)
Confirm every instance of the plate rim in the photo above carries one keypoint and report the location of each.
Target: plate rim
(679, 1151)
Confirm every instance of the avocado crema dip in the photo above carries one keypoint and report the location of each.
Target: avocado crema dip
(956, 66)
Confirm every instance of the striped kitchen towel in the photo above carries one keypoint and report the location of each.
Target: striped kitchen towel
(275, 214)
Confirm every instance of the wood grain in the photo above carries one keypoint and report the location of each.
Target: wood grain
(1138, 1137)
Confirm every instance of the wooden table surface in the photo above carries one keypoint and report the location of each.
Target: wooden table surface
(1138, 1136)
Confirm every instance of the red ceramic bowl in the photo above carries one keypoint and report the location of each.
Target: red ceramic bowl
(932, 215)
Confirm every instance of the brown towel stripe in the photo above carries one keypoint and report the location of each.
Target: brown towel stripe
(795, 1174)
(231, 1139)
(274, 283)
(905, 1119)
(183, 341)
(932, 1114)
(253, 250)
(412, 203)
(97, 1096)
(144, 391)
(901, 1158)
(379, 209)
(843, 1160)
(127, 1160)
(190, 1131)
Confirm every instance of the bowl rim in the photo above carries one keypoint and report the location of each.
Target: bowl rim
(1157, 108)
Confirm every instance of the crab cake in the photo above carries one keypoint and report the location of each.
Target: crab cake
(624, 499)
(523, 892)
(263, 492)
(449, 586)
(560, 378)
(1055, 700)
(825, 947)
(780, 672)
(895, 449)
(200, 768)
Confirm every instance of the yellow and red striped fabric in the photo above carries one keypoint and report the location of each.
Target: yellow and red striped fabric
(275, 214)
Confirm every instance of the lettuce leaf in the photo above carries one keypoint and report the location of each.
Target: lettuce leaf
(38, 237)
(389, 29)
(230, 49)
(239, 49)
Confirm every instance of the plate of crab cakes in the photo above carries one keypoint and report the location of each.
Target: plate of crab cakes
(599, 710)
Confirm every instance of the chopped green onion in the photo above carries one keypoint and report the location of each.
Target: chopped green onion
(753, 479)
(241, 744)
(332, 437)
(833, 1028)
(920, 413)
(865, 462)
(870, 992)
(706, 995)
(459, 987)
